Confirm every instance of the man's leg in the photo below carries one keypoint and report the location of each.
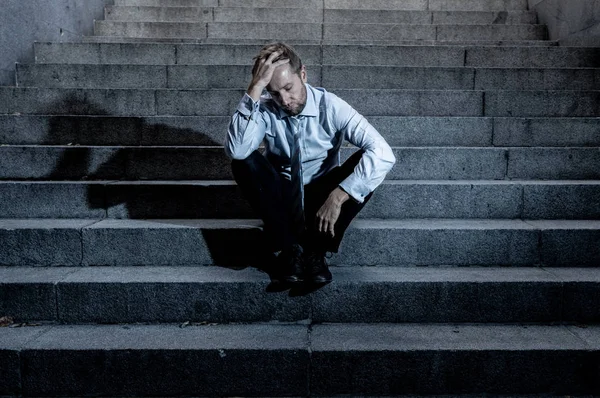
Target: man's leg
(316, 244)
(269, 196)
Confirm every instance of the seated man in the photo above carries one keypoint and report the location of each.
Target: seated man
(304, 197)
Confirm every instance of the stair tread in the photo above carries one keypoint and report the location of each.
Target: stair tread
(344, 275)
(430, 223)
(326, 337)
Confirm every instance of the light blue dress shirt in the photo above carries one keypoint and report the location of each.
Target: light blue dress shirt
(324, 123)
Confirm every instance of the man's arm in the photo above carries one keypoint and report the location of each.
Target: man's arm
(375, 163)
(377, 159)
(247, 127)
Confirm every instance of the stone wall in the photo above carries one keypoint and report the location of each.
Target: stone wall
(24, 21)
(572, 22)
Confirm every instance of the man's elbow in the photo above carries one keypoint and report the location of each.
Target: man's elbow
(237, 153)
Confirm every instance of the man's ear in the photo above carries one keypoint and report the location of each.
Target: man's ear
(303, 74)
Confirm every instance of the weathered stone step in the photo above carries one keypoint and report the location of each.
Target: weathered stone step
(427, 242)
(369, 102)
(393, 55)
(318, 31)
(210, 131)
(330, 76)
(221, 199)
(371, 42)
(315, 15)
(211, 163)
(329, 359)
(357, 295)
(434, 5)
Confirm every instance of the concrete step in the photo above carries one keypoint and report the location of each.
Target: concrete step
(393, 55)
(369, 102)
(318, 31)
(434, 5)
(146, 76)
(167, 3)
(403, 131)
(315, 15)
(357, 295)
(397, 199)
(167, 360)
(330, 76)
(293, 42)
(211, 163)
(393, 32)
(220, 14)
(432, 17)
(426, 242)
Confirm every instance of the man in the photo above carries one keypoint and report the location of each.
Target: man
(305, 199)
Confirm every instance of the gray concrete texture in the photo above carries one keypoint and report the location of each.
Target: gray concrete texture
(315, 15)
(359, 372)
(434, 242)
(167, 3)
(573, 23)
(24, 21)
(317, 31)
(189, 361)
(330, 76)
(468, 5)
(393, 55)
(359, 295)
(210, 131)
(211, 163)
(355, 359)
(222, 199)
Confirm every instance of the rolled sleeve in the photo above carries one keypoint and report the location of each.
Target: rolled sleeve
(246, 129)
(377, 159)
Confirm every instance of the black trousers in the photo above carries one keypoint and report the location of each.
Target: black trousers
(269, 195)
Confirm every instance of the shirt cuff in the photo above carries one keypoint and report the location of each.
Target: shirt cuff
(247, 105)
(354, 187)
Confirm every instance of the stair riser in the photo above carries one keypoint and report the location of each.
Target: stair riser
(345, 301)
(299, 31)
(314, 15)
(434, 5)
(82, 200)
(140, 77)
(358, 360)
(183, 246)
(190, 54)
(548, 371)
(369, 77)
(136, 372)
(209, 131)
(132, 102)
(189, 372)
(168, 3)
(74, 163)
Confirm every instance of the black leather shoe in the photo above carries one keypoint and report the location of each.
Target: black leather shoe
(289, 265)
(316, 268)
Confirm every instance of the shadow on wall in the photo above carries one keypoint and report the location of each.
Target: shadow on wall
(146, 181)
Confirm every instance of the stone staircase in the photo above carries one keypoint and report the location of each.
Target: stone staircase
(125, 244)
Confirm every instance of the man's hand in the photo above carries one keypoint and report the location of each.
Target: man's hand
(329, 213)
(264, 73)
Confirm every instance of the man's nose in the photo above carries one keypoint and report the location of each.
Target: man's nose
(285, 99)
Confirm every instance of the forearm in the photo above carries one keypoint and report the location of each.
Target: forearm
(246, 130)
(338, 196)
(255, 91)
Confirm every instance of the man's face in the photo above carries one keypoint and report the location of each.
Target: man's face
(288, 90)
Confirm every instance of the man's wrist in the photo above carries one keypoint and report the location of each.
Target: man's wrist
(255, 91)
(339, 196)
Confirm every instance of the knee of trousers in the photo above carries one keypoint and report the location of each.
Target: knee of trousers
(253, 162)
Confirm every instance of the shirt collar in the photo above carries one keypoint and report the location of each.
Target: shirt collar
(310, 109)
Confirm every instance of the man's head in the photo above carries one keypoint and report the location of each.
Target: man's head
(287, 84)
